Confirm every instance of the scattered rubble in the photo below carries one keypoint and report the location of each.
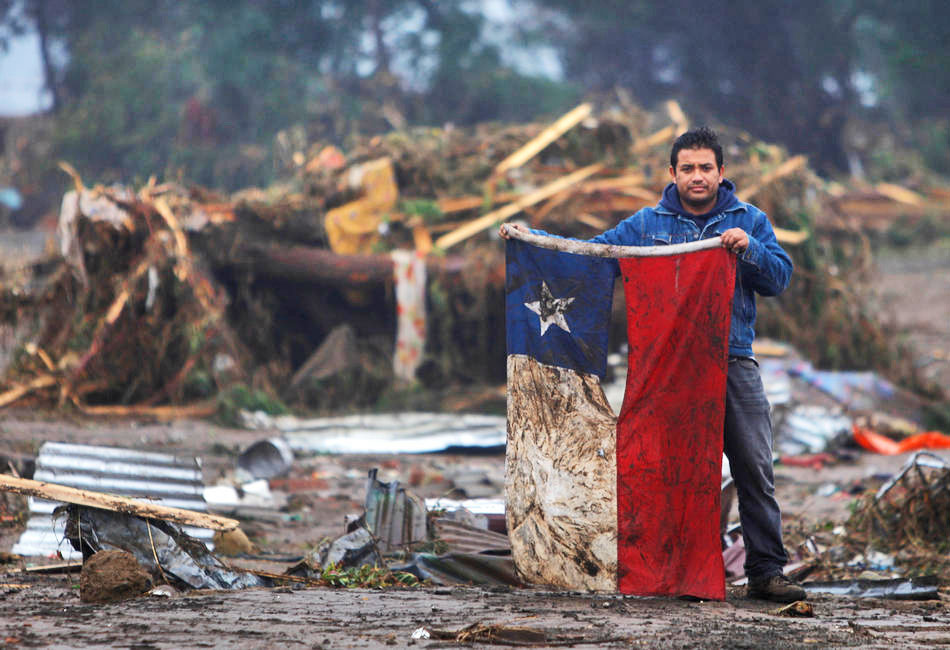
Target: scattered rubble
(922, 588)
(909, 515)
(79, 473)
(169, 554)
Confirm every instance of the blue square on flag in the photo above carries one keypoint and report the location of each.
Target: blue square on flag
(558, 306)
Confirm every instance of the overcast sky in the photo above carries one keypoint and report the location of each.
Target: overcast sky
(21, 77)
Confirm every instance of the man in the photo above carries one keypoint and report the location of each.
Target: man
(700, 203)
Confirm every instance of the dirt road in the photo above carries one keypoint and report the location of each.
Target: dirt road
(51, 616)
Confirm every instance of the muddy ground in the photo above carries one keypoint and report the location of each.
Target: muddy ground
(45, 610)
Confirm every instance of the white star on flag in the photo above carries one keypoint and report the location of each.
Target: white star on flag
(550, 309)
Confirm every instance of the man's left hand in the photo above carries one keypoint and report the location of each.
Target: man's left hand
(735, 240)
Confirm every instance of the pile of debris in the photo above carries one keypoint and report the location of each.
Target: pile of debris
(372, 269)
(894, 543)
(164, 537)
(908, 519)
(127, 318)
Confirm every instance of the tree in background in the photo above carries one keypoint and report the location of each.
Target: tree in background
(781, 70)
(912, 42)
(201, 86)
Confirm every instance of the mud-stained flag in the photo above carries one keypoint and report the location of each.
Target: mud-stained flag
(600, 502)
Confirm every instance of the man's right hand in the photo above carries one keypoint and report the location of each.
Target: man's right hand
(503, 229)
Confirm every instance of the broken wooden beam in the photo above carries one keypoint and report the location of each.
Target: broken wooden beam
(787, 168)
(496, 216)
(534, 146)
(665, 134)
(676, 114)
(790, 236)
(162, 413)
(15, 393)
(900, 194)
(462, 203)
(55, 492)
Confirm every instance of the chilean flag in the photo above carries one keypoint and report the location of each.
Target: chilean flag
(601, 502)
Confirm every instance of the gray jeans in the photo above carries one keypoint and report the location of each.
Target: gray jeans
(747, 442)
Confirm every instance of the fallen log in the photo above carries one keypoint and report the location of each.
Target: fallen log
(115, 503)
(323, 266)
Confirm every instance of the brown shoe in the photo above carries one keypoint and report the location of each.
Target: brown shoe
(778, 588)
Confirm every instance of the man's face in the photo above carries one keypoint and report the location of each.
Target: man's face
(697, 179)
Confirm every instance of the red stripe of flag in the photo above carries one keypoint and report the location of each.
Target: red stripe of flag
(669, 433)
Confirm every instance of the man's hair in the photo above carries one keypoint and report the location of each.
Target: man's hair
(699, 138)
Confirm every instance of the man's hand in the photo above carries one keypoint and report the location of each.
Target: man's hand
(735, 240)
(503, 229)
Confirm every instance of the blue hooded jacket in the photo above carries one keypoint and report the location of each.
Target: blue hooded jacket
(764, 267)
(725, 199)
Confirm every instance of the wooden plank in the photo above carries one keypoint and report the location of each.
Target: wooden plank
(900, 194)
(617, 203)
(534, 146)
(462, 203)
(678, 116)
(15, 393)
(181, 241)
(665, 134)
(487, 221)
(59, 567)
(788, 167)
(592, 221)
(54, 492)
(422, 238)
(163, 413)
(626, 182)
(870, 207)
(556, 200)
(790, 236)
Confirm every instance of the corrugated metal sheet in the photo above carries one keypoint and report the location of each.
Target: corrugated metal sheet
(467, 539)
(492, 509)
(163, 478)
(395, 516)
(478, 506)
(387, 433)
(463, 568)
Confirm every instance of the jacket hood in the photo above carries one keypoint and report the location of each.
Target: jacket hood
(725, 199)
